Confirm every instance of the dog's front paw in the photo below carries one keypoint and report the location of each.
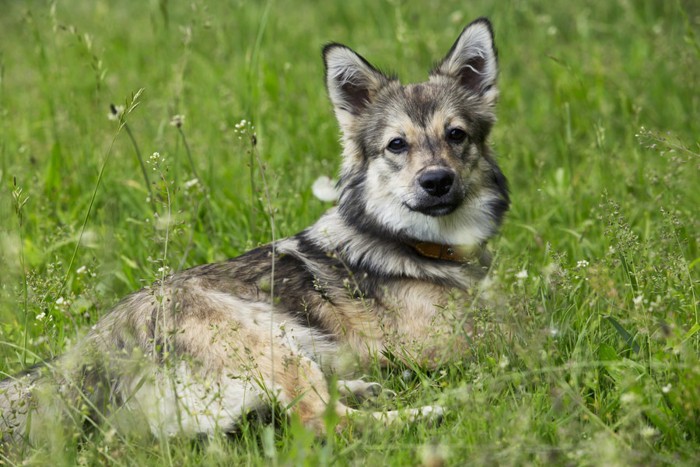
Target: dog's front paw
(430, 413)
(360, 390)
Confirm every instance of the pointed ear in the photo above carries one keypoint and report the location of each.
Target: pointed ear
(351, 81)
(472, 60)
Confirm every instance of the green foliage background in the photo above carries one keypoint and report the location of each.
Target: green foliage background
(591, 356)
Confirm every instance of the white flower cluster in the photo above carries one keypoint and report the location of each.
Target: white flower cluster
(156, 159)
(244, 127)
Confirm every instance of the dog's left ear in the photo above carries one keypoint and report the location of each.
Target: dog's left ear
(352, 82)
(473, 60)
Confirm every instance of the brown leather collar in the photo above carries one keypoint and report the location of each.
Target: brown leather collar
(454, 253)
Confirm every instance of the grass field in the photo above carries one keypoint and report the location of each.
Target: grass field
(592, 354)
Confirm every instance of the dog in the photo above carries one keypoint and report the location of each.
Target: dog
(383, 277)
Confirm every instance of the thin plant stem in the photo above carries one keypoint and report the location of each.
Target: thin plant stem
(131, 105)
(20, 201)
(253, 194)
(268, 201)
(189, 153)
(161, 306)
(100, 174)
(177, 122)
(143, 166)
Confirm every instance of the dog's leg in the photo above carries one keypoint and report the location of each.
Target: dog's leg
(430, 413)
(188, 405)
(433, 413)
(301, 387)
(363, 390)
(185, 401)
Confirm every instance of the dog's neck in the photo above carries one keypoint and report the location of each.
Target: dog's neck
(454, 253)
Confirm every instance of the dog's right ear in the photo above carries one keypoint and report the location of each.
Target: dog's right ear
(473, 60)
(351, 81)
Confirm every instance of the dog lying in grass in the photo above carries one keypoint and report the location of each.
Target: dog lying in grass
(382, 277)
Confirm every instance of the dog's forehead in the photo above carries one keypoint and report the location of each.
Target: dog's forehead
(424, 103)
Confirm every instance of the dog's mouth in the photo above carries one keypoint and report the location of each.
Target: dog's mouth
(437, 191)
(434, 210)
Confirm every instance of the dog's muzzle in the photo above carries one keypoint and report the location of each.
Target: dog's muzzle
(439, 192)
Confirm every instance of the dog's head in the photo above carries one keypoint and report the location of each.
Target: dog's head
(416, 160)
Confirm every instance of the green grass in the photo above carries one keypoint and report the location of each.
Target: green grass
(591, 359)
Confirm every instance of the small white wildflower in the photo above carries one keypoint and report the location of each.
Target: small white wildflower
(456, 17)
(433, 454)
(666, 389)
(628, 398)
(487, 288)
(41, 316)
(60, 301)
(582, 264)
(186, 34)
(156, 157)
(177, 121)
(190, 183)
(109, 436)
(550, 270)
(81, 270)
(522, 274)
(554, 332)
(324, 189)
(648, 432)
(503, 362)
(115, 112)
(638, 300)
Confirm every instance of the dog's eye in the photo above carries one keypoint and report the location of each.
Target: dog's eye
(456, 135)
(397, 145)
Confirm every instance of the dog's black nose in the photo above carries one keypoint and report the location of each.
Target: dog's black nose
(437, 182)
